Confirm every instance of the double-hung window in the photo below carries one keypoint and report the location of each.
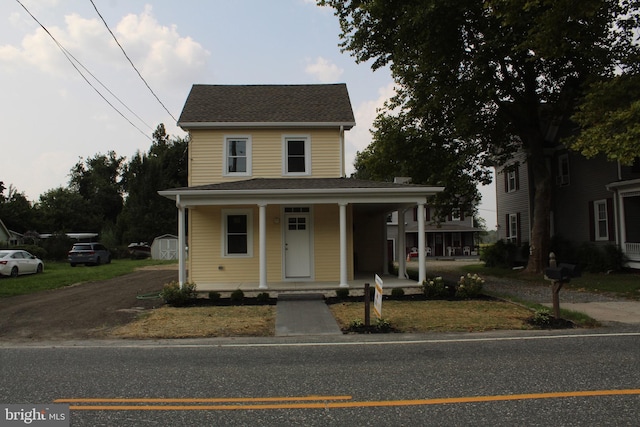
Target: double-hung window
(237, 156)
(296, 155)
(238, 233)
(513, 228)
(601, 220)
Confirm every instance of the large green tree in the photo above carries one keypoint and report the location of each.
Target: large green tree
(146, 214)
(62, 210)
(97, 180)
(16, 211)
(478, 73)
(609, 116)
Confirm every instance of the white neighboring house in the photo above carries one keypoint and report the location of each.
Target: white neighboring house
(165, 247)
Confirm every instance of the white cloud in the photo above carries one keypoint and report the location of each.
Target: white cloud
(359, 137)
(324, 70)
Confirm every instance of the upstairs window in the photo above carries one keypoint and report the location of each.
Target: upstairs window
(297, 155)
(237, 155)
(511, 178)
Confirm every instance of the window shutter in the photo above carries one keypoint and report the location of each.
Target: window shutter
(517, 172)
(611, 220)
(506, 179)
(428, 213)
(415, 213)
(592, 222)
(519, 234)
(507, 228)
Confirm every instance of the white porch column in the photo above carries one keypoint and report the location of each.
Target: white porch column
(422, 268)
(182, 268)
(262, 208)
(402, 246)
(343, 246)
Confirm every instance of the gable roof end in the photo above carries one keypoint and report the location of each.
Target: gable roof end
(215, 106)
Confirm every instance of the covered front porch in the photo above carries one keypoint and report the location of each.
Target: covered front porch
(343, 221)
(627, 212)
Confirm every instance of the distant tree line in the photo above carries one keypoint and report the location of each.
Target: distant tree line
(106, 195)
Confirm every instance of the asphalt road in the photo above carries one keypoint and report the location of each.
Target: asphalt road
(499, 379)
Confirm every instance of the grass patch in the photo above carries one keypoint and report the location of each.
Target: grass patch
(624, 284)
(202, 322)
(61, 274)
(440, 316)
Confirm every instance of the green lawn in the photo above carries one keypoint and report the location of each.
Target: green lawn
(624, 284)
(60, 274)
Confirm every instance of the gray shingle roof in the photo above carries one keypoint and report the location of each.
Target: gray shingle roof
(267, 104)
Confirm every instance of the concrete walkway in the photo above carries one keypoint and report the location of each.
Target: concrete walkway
(304, 314)
(619, 311)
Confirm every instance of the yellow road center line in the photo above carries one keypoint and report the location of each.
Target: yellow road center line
(321, 402)
(202, 400)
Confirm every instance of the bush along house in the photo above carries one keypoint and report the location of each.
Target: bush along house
(267, 199)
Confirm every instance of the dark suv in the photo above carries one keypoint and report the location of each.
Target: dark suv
(89, 254)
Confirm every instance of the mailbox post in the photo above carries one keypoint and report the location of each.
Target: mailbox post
(559, 274)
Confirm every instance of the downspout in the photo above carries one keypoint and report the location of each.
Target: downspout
(342, 156)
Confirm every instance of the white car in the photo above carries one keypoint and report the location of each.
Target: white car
(16, 262)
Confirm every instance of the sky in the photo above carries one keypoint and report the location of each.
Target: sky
(52, 118)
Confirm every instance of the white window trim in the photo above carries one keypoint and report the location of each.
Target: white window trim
(307, 154)
(249, 215)
(225, 155)
(512, 238)
(597, 219)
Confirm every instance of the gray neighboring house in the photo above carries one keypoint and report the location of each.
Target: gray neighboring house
(593, 200)
(453, 236)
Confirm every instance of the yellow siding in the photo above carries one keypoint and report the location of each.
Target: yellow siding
(327, 243)
(206, 153)
(206, 249)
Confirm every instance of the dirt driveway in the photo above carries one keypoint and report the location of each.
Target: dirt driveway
(83, 311)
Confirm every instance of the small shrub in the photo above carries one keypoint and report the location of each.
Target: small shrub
(542, 318)
(263, 297)
(215, 296)
(356, 324)
(342, 293)
(435, 288)
(383, 325)
(501, 254)
(469, 286)
(173, 295)
(237, 296)
(397, 292)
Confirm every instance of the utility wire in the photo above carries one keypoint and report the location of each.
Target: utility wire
(69, 57)
(131, 62)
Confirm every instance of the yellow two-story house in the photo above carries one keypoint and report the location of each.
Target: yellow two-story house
(268, 201)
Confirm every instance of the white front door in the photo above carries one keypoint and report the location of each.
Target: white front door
(297, 250)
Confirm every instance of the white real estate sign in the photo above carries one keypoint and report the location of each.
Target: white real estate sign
(377, 299)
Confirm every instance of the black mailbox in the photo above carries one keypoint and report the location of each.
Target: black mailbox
(562, 273)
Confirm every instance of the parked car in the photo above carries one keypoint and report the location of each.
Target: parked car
(16, 262)
(89, 254)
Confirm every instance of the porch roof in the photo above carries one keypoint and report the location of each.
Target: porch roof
(301, 190)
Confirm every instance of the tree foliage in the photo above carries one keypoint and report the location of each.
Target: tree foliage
(487, 78)
(609, 116)
(146, 214)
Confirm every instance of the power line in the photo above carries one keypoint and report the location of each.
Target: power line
(131, 62)
(69, 57)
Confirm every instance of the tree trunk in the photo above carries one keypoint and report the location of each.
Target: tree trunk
(541, 229)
